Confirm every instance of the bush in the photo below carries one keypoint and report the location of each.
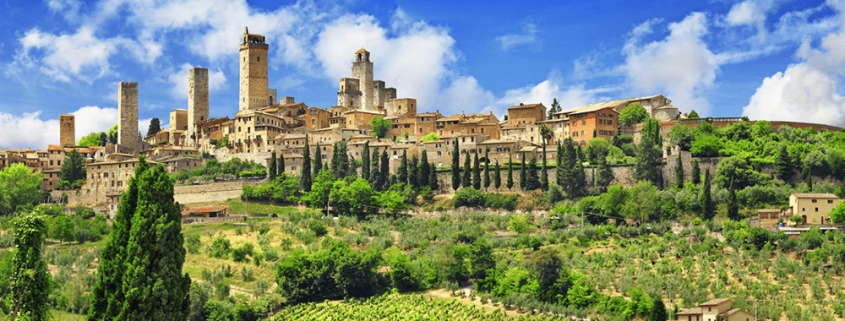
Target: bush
(318, 227)
(219, 248)
(499, 201)
(469, 197)
(239, 254)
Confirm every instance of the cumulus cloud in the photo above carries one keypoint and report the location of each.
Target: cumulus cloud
(179, 80)
(546, 91)
(28, 130)
(809, 90)
(680, 65)
(92, 119)
(528, 36)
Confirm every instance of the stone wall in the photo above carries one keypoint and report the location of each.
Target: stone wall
(182, 194)
(622, 175)
(704, 163)
(258, 157)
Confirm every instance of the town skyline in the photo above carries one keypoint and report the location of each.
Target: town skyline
(449, 59)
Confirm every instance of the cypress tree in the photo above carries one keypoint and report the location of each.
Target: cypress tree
(544, 175)
(707, 206)
(365, 161)
(522, 174)
(412, 173)
(403, 168)
(353, 167)
(605, 174)
(271, 170)
(384, 172)
(30, 280)
(423, 169)
(679, 173)
(696, 172)
(336, 160)
(150, 264)
(466, 180)
(476, 172)
(432, 178)
(497, 176)
(486, 168)
(532, 182)
(509, 183)
(318, 161)
(658, 311)
(649, 154)
(783, 164)
(306, 167)
(456, 170)
(375, 172)
(579, 179)
(733, 206)
(343, 159)
(281, 165)
(568, 159)
(559, 166)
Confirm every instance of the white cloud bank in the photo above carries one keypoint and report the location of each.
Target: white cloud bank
(28, 130)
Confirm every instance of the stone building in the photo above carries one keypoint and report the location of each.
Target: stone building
(253, 129)
(197, 100)
(179, 119)
(253, 79)
(127, 109)
(713, 310)
(362, 69)
(111, 179)
(814, 208)
(349, 95)
(526, 114)
(594, 120)
(317, 118)
(67, 135)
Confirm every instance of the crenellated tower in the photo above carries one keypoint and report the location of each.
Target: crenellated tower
(253, 81)
(362, 69)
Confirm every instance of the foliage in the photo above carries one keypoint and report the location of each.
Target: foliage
(352, 196)
(155, 126)
(283, 189)
(692, 114)
(18, 187)
(380, 126)
(519, 224)
(430, 137)
(30, 281)
(649, 154)
(456, 167)
(632, 114)
(740, 171)
(469, 197)
(838, 213)
(92, 139)
(306, 178)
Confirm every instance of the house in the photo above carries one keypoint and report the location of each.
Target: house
(815, 208)
(716, 309)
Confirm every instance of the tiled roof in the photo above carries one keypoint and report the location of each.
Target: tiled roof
(362, 50)
(715, 302)
(814, 195)
(693, 311)
(521, 106)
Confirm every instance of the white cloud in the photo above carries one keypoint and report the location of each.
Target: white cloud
(528, 36)
(545, 92)
(179, 81)
(30, 131)
(68, 8)
(680, 65)
(92, 119)
(809, 90)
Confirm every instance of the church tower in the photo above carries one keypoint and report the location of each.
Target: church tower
(362, 69)
(253, 60)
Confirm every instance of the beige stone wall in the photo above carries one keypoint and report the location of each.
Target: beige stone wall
(349, 95)
(253, 78)
(127, 109)
(197, 98)
(67, 135)
(362, 69)
(179, 119)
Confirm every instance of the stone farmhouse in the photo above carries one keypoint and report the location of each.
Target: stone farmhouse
(713, 310)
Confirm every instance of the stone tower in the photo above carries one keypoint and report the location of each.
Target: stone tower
(362, 69)
(253, 59)
(67, 136)
(197, 98)
(127, 109)
(349, 95)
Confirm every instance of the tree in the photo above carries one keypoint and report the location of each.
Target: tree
(62, 229)
(658, 311)
(481, 260)
(733, 206)
(73, 168)
(92, 139)
(555, 105)
(509, 183)
(544, 175)
(318, 197)
(560, 166)
(113, 134)
(466, 179)
(486, 168)
(380, 126)
(375, 173)
(352, 197)
(403, 168)
(547, 266)
(104, 139)
(29, 289)
(707, 206)
(422, 169)
(783, 164)
(532, 182)
(523, 176)
(692, 114)
(365, 161)
(430, 137)
(18, 187)
(392, 201)
(649, 154)
(809, 178)
(476, 171)
(633, 114)
(837, 215)
(497, 175)
(155, 126)
(696, 172)
(413, 171)
(605, 174)
(384, 172)
(306, 167)
(281, 165)
(141, 267)
(271, 170)
(679, 173)
(740, 170)
(546, 133)
(432, 178)
(456, 169)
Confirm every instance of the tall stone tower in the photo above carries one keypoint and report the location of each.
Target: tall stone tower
(253, 59)
(197, 97)
(67, 136)
(127, 109)
(362, 69)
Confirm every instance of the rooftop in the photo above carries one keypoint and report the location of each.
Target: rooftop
(521, 106)
(715, 302)
(814, 195)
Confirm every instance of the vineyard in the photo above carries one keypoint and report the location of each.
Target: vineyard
(397, 307)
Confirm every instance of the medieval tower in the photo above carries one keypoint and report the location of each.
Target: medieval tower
(362, 69)
(253, 60)
(197, 97)
(67, 136)
(127, 109)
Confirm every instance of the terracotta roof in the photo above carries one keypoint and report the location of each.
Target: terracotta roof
(362, 50)
(521, 106)
(594, 107)
(814, 195)
(731, 312)
(715, 302)
(692, 311)
(497, 141)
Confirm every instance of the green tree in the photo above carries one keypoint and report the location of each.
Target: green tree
(317, 166)
(430, 137)
(809, 178)
(113, 134)
(413, 170)
(62, 229)
(523, 174)
(375, 173)
(271, 170)
(547, 266)
(403, 168)
(682, 136)
(555, 105)
(155, 126)
(352, 197)
(318, 196)
(486, 168)
(658, 311)
(384, 172)
(92, 139)
(466, 179)
(696, 172)
(649, 154)
(560, 165)
(432, 178)
(30, 281)
(497, 175)
(708, 208)
(509, 183)
(679, 173)
(151, 281)
(392, 201)
(733, 206)
(281, 165)
(481, 260)
(632, 114)
(365, 161)
(605, 173)
(532, 182)
(476, 171)
(837, 215)
(456, 167)
(305, 179)
(544, 174)
(692, 114)
(18, 187)
(740, 170)
(73, 168)
(423, 168)
(104, 139)
(380, 126)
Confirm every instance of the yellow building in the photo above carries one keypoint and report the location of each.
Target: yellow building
(813, 207)
(716, 309)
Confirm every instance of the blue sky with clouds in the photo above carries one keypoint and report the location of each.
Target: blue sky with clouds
(776, 60)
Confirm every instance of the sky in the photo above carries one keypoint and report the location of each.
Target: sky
(768, 60)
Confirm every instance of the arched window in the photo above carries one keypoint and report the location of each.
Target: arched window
(259, 58)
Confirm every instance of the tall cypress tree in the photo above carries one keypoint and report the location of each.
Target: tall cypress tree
(544, 175)
(532, 182)
(423, 169)
(486, 168)
(809, 178)
(476, 172)
(509, 183)
(579, 179)
(456, 168)
(560, 171)
(375, 172)
(695, 172)
(649, 154)
(336, 160)
(281, 164)
(679, 173)
(412, 173)
(432, 177)
(783, 164)
(497, 176)
(384, 172)
(733, 205)
(605, 174)
(306, 167)
(365, 161)
(30, 280)
(149, 265)
(466, 179)
(403, 168)
(523, 174)
(271, 169)
(343, 160)
(707, 206)
(318, 161)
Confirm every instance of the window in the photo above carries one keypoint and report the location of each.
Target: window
(583, 122)
(814, 200)
(830, 201)
(259, 58)
(817, 209)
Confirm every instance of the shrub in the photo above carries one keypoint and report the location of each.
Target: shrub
(219, 248)
(468, 196)
(239, 254)
(192, 243)
(318, 227)
(499, 201)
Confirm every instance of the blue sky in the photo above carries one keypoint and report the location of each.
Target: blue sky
(776, 60)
